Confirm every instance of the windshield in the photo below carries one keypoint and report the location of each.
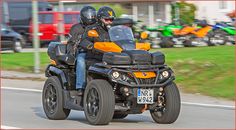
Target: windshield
(120, 33)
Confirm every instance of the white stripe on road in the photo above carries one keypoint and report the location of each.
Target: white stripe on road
(8, 127)
(183, 103)
(22, 89)
(208, 105)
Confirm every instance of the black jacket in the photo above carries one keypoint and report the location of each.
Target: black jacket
(76, 33)
(103, 37)
(79, 36)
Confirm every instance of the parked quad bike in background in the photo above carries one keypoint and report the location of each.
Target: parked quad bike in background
(128, 80)
(199, 37)
(183, 34)
(222, 33)
(165, 34)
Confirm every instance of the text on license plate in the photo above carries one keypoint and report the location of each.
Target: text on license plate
(145, 96)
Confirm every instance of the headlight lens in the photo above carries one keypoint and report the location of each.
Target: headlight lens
(115, 74)
(165, 74)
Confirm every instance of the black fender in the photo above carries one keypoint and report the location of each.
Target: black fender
(54, 71)
(95, 71)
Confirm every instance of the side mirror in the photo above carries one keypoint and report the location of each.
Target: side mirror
(144, 35)
(93, 33)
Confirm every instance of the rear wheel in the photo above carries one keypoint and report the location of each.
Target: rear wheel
(17, 46)
(188, 43)
(53, 100)
(99, 102)
(171, 106)
(217, 38)
(166, 42)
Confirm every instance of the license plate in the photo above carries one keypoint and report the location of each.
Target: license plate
(145, 96)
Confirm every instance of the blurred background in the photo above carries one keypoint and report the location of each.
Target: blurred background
(197, 37)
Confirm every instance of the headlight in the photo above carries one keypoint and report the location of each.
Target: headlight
(165, 74)
(115, 74)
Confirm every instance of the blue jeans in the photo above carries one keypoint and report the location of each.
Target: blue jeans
(80, 71)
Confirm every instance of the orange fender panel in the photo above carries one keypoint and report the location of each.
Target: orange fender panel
(143, 46)
(144, 75)
(53, 62)
(186, 30)
(203, 31)
(107, 47)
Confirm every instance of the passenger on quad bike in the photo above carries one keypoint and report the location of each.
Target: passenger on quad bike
(87, 17)
(105, 17)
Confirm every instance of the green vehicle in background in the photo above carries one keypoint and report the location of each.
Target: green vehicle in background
(165, 34)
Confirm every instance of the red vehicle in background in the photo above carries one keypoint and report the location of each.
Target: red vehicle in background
(49, 22)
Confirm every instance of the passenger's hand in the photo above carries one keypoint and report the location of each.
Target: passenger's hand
(90, 46)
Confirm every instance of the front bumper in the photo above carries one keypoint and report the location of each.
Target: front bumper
(106, 70)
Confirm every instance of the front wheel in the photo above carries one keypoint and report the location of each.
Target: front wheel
(171, 106)
(166, 42)
(99, 102)
(217, 38)
(53, 100)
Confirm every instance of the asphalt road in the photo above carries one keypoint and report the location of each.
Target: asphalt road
(23, 109)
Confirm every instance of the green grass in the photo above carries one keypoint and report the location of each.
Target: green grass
(205, 70)
(23, 62)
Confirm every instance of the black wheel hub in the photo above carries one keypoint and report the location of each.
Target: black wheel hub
(92, 102)
(51, 98)
(161, 107)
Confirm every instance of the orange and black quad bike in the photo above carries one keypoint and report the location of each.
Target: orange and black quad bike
(128, 80)
(200, 36)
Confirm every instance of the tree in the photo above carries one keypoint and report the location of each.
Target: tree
(186, 12)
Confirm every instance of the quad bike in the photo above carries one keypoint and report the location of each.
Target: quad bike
(223, 33)
(128, 80)
(183, 34)
(165, 34)
(199, 37)
(203, 36)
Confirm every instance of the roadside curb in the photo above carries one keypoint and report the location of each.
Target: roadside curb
(22, 75)
(25, 78)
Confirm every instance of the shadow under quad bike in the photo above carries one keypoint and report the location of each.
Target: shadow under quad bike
(128, 80)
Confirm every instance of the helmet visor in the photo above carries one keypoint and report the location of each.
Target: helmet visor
(90, 14)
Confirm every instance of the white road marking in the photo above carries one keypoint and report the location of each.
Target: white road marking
(22, 89)
(183, 103)
(208, 105)
(8, 127)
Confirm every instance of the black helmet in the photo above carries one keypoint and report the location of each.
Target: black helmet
(88, 15)
(106, 13)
